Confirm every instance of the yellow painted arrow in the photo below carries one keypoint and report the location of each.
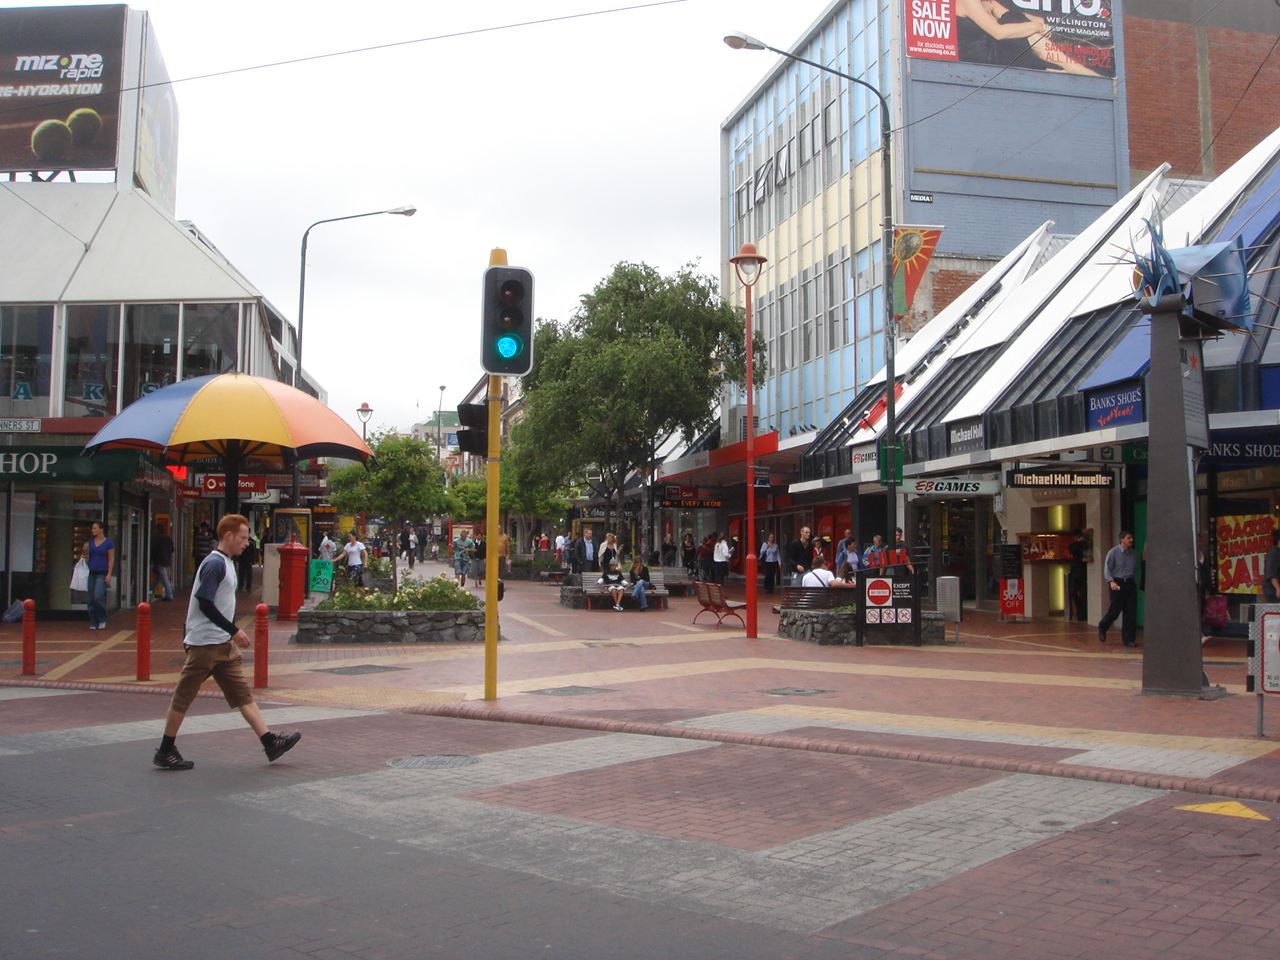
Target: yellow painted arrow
(1228, 809)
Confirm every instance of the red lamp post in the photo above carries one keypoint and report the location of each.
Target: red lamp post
(748, 264)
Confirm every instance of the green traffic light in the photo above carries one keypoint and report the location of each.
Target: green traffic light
(508, 346)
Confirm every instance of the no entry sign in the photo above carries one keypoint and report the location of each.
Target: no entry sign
(879, 592)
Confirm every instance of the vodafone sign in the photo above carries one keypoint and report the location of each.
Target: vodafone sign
(217, 483)
(879, 592)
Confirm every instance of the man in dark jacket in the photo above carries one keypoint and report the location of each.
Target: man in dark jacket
(588, 554)
(800, 556)
(161, 561)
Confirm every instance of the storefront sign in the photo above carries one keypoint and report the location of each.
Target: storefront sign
(692, 503)
(71, 464)
(1242, 545)
(216, 483)
(1114, 407)
(19, 426)
(1040, 477)
(321, 576)
(1121, 453)
(968, 436)
(189, 493)
(951, 487)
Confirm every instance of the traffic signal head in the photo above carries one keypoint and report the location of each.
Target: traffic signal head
(506, 334)
(474, 436)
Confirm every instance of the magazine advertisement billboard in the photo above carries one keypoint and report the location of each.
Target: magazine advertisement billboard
(60, 79)
(1071, 36)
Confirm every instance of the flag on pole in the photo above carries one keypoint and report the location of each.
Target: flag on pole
(912, 249)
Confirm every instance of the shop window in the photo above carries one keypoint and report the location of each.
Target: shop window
(151, 349)
(92, 363)
(26, 342)
(209, 338)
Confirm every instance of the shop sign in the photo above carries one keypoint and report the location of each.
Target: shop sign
(1242, 543)
(189, 493)
(20, 426)
(951, 487)
(968, 436)
(216, 483)
(1040, 477)
(1114, 407)
(70, 464)
(1012, 599)
(692, 503)
(1121, 453)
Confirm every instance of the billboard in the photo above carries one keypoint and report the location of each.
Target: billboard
(60, 79)
(1070, 36)
(156, 162)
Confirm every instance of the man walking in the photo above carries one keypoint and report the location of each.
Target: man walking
(1120, 570)
(161, 559)
(799, 556)
(212, 644)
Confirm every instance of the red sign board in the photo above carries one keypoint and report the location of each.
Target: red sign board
(879, 593)
(1013, 598)
(189, 493)
(217, 483)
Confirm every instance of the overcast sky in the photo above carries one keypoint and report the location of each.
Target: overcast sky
(574, 144)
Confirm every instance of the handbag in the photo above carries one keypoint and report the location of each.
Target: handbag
(80, 576)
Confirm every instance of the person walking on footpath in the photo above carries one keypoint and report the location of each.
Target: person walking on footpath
(1120, 570)
(100, 553)
(212, 644)
(202, 542)
(355, 552)
(770, 560)
(799, 556)
(162, 551)
(463, 546)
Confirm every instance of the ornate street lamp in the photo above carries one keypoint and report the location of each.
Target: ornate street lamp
(748, 264)
(364, 412)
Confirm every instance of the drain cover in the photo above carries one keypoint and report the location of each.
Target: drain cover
(794, 692)
(437, 762)
(606, 643)
(570, 691)
(357, 669)
(18, 663)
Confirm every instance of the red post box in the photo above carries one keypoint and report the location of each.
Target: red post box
(293, 575)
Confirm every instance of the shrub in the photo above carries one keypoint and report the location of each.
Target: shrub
(545, 563)
(438, 594)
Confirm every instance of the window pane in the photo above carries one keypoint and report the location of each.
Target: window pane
(93, 339)
(209, 331)
(151, 349)
(27, 338)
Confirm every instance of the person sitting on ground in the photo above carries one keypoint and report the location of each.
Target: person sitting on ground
(640, 582)
(819, 576)
(614, 582)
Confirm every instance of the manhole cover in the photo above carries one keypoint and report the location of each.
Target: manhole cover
(437, 762)
(357, 669)
(794, 692)
(1053, 823)
(606, 643)
(570, 691)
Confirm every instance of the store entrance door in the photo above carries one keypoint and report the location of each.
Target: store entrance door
(962, 546)
(132, 559)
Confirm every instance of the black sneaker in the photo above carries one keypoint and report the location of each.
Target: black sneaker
(279, 745)
(171, 760)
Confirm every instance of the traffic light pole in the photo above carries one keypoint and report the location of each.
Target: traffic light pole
(491, 559)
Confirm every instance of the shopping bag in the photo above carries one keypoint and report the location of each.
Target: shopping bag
(14, 613)
(80, 575)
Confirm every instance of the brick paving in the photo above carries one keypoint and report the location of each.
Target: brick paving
(1010, 795)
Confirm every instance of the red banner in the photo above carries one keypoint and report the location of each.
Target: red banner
(912, 249)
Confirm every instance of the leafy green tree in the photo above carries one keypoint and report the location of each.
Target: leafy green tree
(644, 357)
(404, 482)
(468, 497)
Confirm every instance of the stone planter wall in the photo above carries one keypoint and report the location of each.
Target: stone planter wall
(823, 627)
(390, 626)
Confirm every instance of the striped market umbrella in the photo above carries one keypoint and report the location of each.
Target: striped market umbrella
(233, 417)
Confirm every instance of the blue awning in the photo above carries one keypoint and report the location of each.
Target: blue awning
(1128, 361)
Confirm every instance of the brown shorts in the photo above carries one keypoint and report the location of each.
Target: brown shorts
(213, 660)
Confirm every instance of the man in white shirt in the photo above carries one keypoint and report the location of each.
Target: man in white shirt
(819, 576)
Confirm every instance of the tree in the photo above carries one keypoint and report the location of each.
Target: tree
(403, 482)
(643, 358)
(468, 497)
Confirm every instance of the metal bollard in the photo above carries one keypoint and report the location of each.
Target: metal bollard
(144, 641)
(28, 637)
(261, 645)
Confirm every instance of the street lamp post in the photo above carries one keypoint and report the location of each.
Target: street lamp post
(364, 412)
(889, 446)
(748, 264)
(406, 211)
(439, 414)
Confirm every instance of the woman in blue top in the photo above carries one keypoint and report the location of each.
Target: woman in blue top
(101, 555)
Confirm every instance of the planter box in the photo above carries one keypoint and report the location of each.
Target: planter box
(823, 627)
(390, 626)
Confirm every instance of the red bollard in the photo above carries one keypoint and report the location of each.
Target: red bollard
(144, 641)
(28, 637)
(261, 645)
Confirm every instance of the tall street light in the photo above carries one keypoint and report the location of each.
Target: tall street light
(748, 264)
(405, 211)
(439, 413)
(364, 412)
(889, 446)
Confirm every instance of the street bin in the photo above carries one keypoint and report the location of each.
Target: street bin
(948, 602)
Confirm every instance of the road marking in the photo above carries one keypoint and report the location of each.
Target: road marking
(535, 624)
(1229, 809)
(63, 669)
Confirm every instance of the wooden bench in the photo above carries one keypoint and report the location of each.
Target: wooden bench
(711, 596)
(677, 578)
(816, 598)
(552, 577)
(593, 591)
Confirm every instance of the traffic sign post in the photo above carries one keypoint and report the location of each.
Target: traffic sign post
(888, 606)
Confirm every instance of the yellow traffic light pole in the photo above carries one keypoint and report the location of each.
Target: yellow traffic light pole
(497, 258)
